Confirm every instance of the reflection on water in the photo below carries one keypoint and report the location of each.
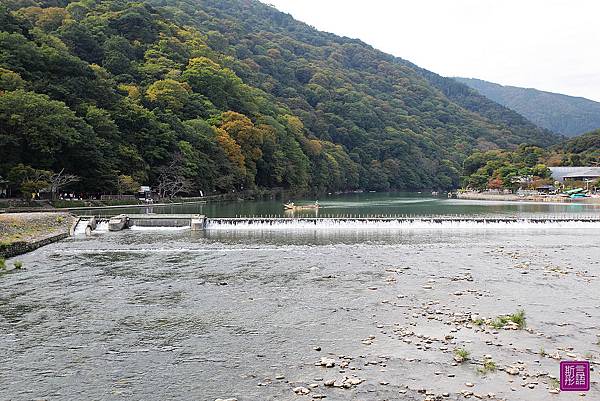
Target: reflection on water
(363, 204)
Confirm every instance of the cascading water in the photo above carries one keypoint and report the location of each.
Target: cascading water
(102, 227)
(395, 224)
(81, 226)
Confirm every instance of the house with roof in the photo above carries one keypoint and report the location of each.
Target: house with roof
(562, 174)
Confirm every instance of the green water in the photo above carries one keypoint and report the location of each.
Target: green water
(355, 204)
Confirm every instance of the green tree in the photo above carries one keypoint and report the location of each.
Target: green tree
(168, 94)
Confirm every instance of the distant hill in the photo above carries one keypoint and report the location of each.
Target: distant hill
(226, 95)
(567, 115)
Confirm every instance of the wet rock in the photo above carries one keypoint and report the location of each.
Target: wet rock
(301, 390)
(512, 370)
(327, 362)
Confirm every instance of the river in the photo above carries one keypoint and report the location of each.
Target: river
(365, 204)
(249, 314)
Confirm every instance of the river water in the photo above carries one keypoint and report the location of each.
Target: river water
(248, 314)
(365, 204)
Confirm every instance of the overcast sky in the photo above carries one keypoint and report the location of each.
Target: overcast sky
(551, 45)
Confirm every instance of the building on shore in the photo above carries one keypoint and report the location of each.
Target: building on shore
(562, 174)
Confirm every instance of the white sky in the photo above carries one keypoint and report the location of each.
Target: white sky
(552, 45)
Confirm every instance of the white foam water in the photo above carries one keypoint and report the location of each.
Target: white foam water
(101, 227)
(143, 228)
(80, 227)
(349, 224)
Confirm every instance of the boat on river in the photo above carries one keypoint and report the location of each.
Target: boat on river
(292, 206)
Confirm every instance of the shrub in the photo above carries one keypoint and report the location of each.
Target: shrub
(518, 318)
(488, 366)
(18, 264)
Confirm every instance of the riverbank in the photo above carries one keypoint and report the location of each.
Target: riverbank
(21, 206)
(529, 198)
(24, 232)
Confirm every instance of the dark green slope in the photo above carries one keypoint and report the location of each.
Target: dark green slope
(559, 113)
(583, 150)
(227, 95)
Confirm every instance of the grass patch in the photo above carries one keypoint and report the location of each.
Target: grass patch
(2, 263)
(554, 383)
(489, 366)
(461, 355)
(499, 322)
(18, 264)
(518, 318)
(478, 322)
(542, 351)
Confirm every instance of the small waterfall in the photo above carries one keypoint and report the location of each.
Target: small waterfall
(102, 227)
(81, 226)
(395, 224)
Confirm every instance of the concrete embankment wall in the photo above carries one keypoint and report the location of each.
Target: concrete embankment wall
(19, 248)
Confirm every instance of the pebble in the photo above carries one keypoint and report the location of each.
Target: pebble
(301, 390)
(327, 362)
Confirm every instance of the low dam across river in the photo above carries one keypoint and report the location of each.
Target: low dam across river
(195, 222)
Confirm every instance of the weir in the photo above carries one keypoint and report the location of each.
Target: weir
(200, 222)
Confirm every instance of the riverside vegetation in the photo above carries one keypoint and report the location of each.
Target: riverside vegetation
(209, 95)
(527, 166)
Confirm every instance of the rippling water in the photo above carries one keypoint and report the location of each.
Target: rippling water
(237, 313)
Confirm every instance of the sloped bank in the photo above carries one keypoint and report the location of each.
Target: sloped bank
(24, 232)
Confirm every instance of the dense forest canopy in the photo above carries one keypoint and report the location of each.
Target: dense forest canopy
(222, 95)
(567, 115)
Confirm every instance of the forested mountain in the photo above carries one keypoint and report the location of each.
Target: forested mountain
(583, 150)
(567, 115)
(221, 95)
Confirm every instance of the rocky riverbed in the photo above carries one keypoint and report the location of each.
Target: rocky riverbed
(422, 315)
